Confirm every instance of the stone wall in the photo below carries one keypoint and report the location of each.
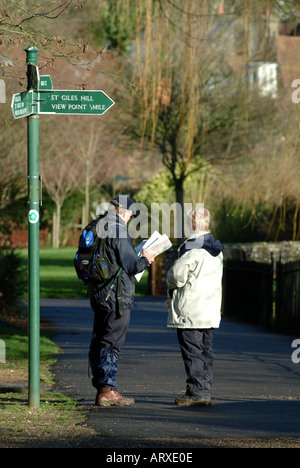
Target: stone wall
(261, 252)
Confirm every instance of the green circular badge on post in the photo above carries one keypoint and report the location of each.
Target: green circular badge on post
(33, 216)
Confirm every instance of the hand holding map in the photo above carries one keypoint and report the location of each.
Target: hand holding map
(156, 244)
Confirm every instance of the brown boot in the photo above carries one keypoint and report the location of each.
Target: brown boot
(189, 400)
(110, 397)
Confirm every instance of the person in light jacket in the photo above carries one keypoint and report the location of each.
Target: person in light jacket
(194, 307)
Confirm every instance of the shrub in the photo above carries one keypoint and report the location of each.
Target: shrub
(13, 283)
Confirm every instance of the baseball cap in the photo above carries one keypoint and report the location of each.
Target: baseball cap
(122, 201)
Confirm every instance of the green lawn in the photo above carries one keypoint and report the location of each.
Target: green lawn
(58, 278)
(16, 340)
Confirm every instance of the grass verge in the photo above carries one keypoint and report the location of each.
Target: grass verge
(58, 422)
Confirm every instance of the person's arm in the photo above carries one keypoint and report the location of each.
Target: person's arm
(128, 259)
(178, 274)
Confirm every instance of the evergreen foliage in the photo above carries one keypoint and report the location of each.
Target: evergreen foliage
(13, 283)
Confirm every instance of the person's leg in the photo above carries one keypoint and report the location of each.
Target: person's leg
(196, 350)
(109, 335)
(104, 364)
(208, 336)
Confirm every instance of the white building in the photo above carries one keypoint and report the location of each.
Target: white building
(264, 76)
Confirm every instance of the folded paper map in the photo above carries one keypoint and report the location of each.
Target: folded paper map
(156, 244)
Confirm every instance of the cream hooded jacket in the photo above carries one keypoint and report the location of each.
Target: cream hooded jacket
(195, 286)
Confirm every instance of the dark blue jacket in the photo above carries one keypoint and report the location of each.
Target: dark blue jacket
(119, 251)
(203, 241)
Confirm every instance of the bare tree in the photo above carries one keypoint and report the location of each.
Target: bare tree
(94, 159)
(60, 171)
(185, 95)
(190, 103)
(24, 21)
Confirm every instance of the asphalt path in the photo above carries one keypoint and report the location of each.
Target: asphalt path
(256, 391)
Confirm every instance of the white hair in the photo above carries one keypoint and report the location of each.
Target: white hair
(198, 219)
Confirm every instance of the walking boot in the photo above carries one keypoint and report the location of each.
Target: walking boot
(109, 396)
(190, 400)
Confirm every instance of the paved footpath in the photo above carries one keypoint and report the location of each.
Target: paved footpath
(256, 392)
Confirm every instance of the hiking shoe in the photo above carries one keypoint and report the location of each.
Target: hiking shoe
(110, 397)
(190, 400)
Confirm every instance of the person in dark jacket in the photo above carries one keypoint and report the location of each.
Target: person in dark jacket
(112, 301)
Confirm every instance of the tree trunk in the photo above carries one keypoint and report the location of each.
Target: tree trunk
(56, 226)
(87, 193)
(179, 227)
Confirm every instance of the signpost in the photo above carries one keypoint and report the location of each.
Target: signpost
(33, 229)
(45, 83)
(23, 104)
(40, 98)
(33, 75)
(74, 102)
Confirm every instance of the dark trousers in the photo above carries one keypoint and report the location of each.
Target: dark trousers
(197, 354)
(109, 332)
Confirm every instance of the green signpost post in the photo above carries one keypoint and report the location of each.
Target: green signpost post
(40, 98)
(33, 229)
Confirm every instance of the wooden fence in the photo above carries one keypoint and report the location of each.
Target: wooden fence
(263, 294)
(287, 297)
(19, 239)
(248, 291)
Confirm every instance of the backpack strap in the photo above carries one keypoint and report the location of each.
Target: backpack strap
(117, 280)
(119, 294)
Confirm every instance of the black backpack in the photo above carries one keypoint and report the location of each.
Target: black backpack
(90, 260)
